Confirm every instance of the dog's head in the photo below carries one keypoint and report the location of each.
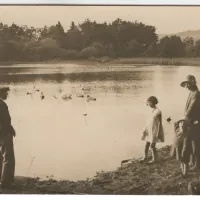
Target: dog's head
(181, 126)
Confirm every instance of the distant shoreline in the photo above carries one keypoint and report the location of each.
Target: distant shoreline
(119, 61)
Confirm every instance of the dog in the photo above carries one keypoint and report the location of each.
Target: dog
(181, 146)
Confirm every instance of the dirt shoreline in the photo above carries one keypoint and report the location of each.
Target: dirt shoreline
(134, 178)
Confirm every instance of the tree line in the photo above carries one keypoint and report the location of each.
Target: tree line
(90, 39)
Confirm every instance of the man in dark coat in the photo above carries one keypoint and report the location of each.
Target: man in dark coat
(192, 115)
(7, 157)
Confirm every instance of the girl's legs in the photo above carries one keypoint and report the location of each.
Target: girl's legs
(153, 148)
(182, 167)
(146, 150)
(185, 169)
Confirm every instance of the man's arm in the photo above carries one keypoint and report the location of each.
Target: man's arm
(5, 119)
(191, 107)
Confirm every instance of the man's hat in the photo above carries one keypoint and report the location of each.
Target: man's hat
(189, 79)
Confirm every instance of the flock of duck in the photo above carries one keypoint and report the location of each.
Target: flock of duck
(62, 95)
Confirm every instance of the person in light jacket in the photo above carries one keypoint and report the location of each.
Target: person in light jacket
(192, 115)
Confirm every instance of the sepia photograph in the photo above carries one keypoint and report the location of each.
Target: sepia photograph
(99, 100)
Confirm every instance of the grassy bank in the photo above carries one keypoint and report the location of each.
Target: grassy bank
(120, 61)
(79, 62)
(160, 61)
(134, 177)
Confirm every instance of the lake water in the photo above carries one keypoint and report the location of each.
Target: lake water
(53, 135)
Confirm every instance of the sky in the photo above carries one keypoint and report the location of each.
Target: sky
(167, 19)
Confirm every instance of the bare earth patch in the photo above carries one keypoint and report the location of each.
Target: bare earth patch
(134, 178)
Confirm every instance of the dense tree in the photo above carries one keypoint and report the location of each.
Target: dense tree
(88, 39)
(152, 50)
(188, 42)
(197, 47)
(134, 48)
(170, 47)
(73, 39)
(189, 47)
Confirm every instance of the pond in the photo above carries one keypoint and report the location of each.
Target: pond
(73, 139)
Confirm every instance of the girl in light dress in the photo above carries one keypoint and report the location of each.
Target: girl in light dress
(153, 130)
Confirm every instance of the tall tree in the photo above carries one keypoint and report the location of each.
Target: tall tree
(171, 47)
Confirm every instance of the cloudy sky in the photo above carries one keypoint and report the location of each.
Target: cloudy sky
(165, 18)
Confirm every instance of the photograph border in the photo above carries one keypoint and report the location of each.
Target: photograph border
(97, 3)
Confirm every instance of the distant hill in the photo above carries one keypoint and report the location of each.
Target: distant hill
(195, 34)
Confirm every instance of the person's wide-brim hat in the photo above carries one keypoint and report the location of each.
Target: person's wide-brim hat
(189, 79)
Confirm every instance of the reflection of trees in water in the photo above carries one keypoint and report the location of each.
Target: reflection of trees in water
(6, 70)
(117, 81)
(73, 77)
(31, 78)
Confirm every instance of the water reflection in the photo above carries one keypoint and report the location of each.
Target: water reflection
(50, 128)
(118, 80)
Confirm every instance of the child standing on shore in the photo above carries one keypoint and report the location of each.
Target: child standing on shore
(153, 130)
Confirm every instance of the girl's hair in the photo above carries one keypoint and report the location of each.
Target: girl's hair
(153, 100)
